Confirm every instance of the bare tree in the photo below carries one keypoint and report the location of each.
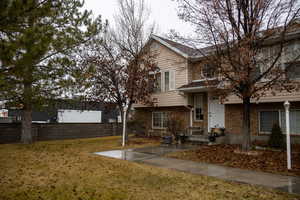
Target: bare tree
(119, 64)
(247, 40)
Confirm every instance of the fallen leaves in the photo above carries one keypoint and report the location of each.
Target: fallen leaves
(263, 160)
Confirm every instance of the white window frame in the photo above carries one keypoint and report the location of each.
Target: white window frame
(279, 111)
(157, 127)
(172, 80)
(294, 79)
(167, 89)
(202, 105)
(267, 51)
(205, 77)
(155, 74)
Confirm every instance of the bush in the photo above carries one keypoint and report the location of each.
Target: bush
(276, 139)
(175, 125)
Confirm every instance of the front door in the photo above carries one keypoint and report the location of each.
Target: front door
(216, 113)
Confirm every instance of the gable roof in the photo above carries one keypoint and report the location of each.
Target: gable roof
(183, 50)
(192, 53)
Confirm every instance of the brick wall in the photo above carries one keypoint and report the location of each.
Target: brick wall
(234, 116)
(144, 116)
(10, 133)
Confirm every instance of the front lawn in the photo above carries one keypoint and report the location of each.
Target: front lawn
(68, 170)
(266, 160)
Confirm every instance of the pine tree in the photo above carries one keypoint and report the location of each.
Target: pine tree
(276, 139)
(37, 39)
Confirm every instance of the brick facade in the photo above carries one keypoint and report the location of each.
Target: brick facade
(145, 116)
(234, 115)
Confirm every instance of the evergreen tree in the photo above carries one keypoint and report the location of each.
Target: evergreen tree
(276, 139)
(37, 39)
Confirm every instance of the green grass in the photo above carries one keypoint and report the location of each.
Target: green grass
(68, 170)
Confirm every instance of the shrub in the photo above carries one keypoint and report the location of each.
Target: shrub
(175, 125)
(276, 139)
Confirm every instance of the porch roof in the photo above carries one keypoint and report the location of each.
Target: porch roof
(201, 85)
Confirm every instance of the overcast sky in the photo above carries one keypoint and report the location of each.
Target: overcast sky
(163, 13)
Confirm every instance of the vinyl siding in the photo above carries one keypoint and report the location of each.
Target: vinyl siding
(269, 97)
(169, 60)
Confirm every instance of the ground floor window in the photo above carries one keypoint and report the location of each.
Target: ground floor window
(268, 118)
(159, 120)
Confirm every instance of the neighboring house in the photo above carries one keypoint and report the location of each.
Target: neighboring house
(65, 111)
(186, 87)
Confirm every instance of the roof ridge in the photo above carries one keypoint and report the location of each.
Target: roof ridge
(164, 38)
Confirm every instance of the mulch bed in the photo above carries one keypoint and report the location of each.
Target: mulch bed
(265, 160)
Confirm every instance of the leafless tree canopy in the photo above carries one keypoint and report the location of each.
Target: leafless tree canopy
(249, 44)
(247, 39)
(117, 65)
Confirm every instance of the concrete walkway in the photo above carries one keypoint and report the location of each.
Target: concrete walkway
(154, 156)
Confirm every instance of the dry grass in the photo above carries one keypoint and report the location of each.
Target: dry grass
(67, 170)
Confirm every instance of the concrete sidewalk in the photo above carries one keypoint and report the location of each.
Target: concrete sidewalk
(154, 156)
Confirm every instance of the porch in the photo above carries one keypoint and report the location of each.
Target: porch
(206, 111)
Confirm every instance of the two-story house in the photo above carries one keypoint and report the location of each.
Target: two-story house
(183, 88)
(186, 87)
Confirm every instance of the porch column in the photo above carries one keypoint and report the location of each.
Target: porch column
(191, 117)
(208, 114)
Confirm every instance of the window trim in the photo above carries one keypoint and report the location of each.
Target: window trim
(259, 121)
(163, 84)
(157, 127)
(295, 62)
(215, 75)
(169, 81)
(279, 113)
(195, 119)
(158, 90)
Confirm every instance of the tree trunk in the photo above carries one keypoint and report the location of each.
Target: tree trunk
(26, 136)
(246, 144)
(127, 115)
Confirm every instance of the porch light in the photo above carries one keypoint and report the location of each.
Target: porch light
(288, 139)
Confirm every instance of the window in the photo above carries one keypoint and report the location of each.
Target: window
(293, 70)
(209, 71)
(157, 86)
(198, 107)
(294, 122)
(159, 120)
(167, 81)
(268, 118)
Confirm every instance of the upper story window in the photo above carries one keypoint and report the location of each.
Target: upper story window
(293, 70)
(209, 71)
(165, 81)
(157, 85)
